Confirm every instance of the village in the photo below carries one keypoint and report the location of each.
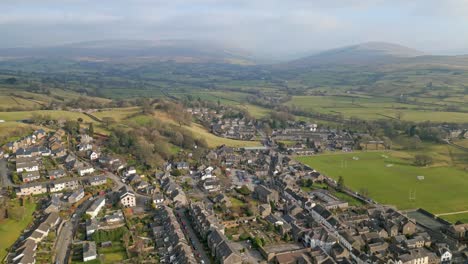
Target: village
(236, 205)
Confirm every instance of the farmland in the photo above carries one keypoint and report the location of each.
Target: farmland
(55, 114)
(392, 179)
(371, 108)
(124, 115)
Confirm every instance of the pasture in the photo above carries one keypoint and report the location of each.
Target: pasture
(214, 141)
(372, 108)
(54, 114)
(199, 131)
(117, 113)
(392, 180)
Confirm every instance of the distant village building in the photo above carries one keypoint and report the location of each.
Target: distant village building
(76, 196)
(85, 170)
(31, 189)
(89, 251)
(97, 205)
(127, 198)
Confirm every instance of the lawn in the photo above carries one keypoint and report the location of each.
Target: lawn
(112, 254)
(11, 229)
(390, 179)
(236, 202)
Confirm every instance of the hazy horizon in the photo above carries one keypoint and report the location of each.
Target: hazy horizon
(260, 27)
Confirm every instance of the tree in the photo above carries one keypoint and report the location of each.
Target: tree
(11, 80)
(243, 190)
(257, 242)
(422, 160)
(72, 127)
(91, 129)
(399, 115)
(86, 217)
(107, 120)
(364, 192)
(340, 185)
(176, 172)
(147, 108)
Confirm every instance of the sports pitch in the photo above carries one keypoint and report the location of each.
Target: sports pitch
(390, 180)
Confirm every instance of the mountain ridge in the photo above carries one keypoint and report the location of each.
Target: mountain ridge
(136, 50)
(358, 54)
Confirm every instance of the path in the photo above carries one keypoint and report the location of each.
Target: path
(453, 213)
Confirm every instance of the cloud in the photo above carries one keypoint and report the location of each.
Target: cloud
(259, 25)
(55, 17)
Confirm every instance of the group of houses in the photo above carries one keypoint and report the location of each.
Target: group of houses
(25, 251)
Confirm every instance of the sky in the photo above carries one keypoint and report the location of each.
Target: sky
(259, 26)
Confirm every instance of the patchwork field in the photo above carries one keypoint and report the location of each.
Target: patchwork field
(11, 101)
(380, 108)
(391, 179)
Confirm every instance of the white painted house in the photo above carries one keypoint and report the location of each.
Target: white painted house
(85, 170)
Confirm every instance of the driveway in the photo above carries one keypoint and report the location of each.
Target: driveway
(5, 180)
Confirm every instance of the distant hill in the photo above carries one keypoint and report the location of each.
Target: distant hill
(361, 54)
(136, 51)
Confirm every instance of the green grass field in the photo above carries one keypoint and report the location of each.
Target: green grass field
(13, 130)
(7, 101)
(11, 229)
(371, 108)
(117, 113)
(463, 217)
(390, 179)
(214, 141)
(55, 114)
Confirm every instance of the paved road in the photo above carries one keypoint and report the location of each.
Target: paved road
(119, 184)
(65, 238)
(196, 244)
(5, 181)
